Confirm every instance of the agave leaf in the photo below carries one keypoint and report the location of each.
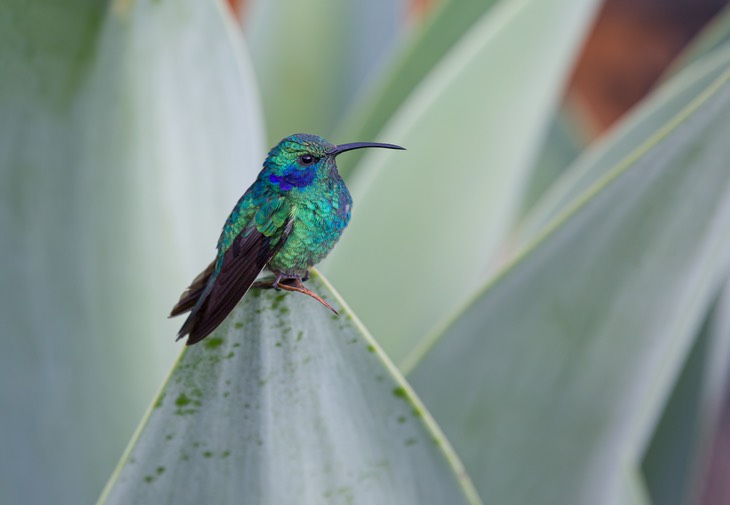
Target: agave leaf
(657, 110)
(127, 130)
(717, 371)
(579, 177)
(671, 462)
(561, 146)
(675, 452)
(312, 57)
(635, 490)
(286, 403)
(439, 211)
(559, 369)
(676, 459)
(418, 56)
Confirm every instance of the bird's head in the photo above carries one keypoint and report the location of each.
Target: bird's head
(298, 160)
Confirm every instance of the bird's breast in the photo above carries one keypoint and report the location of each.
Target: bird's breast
(317, 224)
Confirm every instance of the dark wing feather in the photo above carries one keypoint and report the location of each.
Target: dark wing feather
(190, 296)
(242, 263)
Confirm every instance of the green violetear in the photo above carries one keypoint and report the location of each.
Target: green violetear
(287, 221)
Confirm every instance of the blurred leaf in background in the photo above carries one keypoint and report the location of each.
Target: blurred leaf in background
(561, 145)
(127, 131)
(312, 58)
(628, 50)
(675, 453)
(708, 483)
(567, 359)
(444, 23)
(439, 214)
(559, 301)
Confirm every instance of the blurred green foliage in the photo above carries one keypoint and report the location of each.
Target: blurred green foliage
(562, 320)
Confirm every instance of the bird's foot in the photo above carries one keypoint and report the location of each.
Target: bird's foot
(269, 283)
(297, 285)
(292, 283)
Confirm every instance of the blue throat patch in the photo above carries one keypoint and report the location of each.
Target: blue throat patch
(293, 178)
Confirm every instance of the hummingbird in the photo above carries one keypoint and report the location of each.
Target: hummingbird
(286, 222)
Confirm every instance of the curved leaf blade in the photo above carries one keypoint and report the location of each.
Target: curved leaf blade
(560, 148)
(679, 459)
(439, 211)
(111, 197)
(671, 461)
(421, 53)
(566, 360)
(312, 57)
(286, 403)
(656, 111)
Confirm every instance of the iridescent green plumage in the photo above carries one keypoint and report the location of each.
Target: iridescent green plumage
(287, 221)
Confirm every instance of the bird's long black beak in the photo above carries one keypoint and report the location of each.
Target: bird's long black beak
(361, 145)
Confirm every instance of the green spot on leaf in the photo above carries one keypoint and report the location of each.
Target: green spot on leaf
(213, 342)
(207, 454)
(400, 392)
(182, 400)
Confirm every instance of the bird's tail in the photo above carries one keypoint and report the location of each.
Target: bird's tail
(194, 300)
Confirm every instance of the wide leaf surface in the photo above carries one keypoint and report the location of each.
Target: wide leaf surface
(312, 57)
(646, 120)
(428, 43)
(550, 382)
(127, 132)
(427, 222)
(561, 146)
(286, 403)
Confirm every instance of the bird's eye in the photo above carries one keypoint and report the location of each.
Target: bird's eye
(306, 159)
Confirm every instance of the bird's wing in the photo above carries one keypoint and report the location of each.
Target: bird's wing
(237, 267)
(190, 296)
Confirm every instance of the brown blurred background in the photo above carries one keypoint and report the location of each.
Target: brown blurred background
(629, 48)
